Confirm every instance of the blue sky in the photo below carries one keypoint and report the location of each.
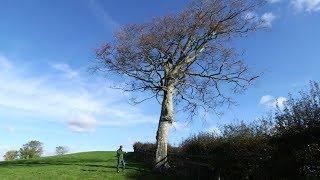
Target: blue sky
(47, 94)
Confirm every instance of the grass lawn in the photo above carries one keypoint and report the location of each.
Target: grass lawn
(87, 165)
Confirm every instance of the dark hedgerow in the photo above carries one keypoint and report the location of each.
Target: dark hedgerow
(298, 134)
(286, 145)
(145, 151)
(242, 152)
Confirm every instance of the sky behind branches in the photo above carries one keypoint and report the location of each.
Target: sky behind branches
(47, 93)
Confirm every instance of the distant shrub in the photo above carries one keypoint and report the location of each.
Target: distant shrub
(11, 155)
(61, 150)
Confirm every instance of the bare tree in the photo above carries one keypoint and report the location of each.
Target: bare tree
(32, 149)
(61, 150)
(11, 155)
(183, 60)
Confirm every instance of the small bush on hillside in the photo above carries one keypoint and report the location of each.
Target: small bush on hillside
(61, 150)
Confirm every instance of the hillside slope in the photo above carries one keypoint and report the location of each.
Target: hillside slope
(87, 165)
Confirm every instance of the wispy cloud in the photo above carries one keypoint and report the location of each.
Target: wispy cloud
(307, 5)
(82, 123)
(214, 129)
(102, 15)
(81, 104)
(271, 102)
(250, 15)
(66, 70)
(4, 64)
(267, 19)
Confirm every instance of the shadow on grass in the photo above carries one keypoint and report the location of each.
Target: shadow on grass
(144, 169)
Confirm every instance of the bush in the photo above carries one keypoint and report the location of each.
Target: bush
(298, 134)
(146, 151)
(240, 151)
(146, 148)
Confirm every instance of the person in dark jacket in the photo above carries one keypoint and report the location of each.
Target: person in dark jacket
(120, 158)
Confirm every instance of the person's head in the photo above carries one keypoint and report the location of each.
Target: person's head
(120, 147)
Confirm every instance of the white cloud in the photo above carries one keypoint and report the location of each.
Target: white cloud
(267, 19)
(250, 15)
(4, 64)
(214, 129)
(307, 5)
(82, 123)
(281, 101)
(62, 99)
(271, 102)
(267, 100)
(65, 68)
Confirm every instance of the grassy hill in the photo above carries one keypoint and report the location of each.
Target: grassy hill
(87, 165)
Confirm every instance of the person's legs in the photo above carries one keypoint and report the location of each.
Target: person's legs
(123, 165)
(118, 165)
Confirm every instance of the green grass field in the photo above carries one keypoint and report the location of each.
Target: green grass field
(87, 165)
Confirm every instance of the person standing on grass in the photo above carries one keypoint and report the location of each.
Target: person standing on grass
(120, 154)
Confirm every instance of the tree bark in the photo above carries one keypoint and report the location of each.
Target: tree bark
(165, 123)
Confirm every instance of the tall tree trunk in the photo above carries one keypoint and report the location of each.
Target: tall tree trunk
(165, 123)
